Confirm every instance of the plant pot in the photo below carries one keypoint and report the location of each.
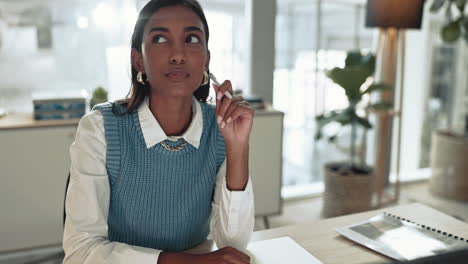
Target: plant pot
(346, 192)
(449, 164)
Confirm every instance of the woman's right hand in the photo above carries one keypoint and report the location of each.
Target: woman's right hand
(226, 255)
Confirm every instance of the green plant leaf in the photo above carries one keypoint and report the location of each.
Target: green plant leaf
(461, 5)
(319, 117)
(369, 63)
(325, 116)
(364, 122)
(464, 24)
(333, 138)
(353, 58)
(350, 80)
(358, 67)
(345, 117)
(376, 87)
(437, 5)
(318, 135)
(381, 106)
(322, 120)
(449, 12)
(344, 121)
(357, 59)
(100, 92)
(451, 32)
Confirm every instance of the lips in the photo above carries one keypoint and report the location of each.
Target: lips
(177, 75)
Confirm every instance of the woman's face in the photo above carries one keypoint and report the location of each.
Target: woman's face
(174, 51)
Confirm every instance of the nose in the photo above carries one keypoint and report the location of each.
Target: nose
(177, 56)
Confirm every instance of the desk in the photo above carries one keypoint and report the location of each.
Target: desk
(24, 120)
(321, 240)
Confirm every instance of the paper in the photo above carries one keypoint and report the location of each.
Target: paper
(279, 251)
(401, 239)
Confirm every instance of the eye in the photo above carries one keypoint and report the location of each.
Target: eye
(159, 39)
(192, 39)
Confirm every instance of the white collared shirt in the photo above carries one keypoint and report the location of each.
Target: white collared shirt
(85, 237)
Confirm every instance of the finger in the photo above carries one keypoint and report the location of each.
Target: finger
(234, 105)
(225, 86)
(217, 105)
(220, 102)
(243, 258)
(227, 116)
(238, 261)
(245, 103)
(242, 110)
(224, 105)
(233, 258)
(240, 254)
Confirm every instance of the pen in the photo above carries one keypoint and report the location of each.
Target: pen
(213, 78)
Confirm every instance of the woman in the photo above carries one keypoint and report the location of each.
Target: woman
(153, 174)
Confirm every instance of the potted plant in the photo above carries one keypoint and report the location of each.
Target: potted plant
(456, 25)
(99, 96)
(450, 146)
(349, 184)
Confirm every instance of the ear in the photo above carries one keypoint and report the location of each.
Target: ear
(137, 60)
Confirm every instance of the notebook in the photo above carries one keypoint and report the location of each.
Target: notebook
(402, 239)
(279, 251)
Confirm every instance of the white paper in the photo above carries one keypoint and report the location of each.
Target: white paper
(279, 251)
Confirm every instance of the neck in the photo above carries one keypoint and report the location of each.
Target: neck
(174, 114)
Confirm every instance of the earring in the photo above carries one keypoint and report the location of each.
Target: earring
(140, 78)
(206, 78)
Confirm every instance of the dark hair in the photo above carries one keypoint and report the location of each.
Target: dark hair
(139, 91)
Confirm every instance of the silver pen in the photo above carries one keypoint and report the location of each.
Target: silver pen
(226, 93)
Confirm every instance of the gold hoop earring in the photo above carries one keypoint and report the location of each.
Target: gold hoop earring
(140, 78)
(206, 78)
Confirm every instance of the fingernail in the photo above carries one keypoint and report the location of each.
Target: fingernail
(219, 96)
(229, 120)
(223, 124)
(219, 120)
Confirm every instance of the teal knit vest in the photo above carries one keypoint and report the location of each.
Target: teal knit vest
(160, 199)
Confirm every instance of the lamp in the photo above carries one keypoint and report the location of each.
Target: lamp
(394, 13)
(392, 17)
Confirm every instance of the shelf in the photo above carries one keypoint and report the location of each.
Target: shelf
(25, 120)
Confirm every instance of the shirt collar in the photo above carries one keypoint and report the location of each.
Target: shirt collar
(154, 134)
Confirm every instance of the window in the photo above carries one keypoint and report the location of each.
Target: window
(68, 48)
(227, 42)
(310, 39)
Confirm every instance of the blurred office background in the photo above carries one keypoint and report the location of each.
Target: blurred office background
(60, 49)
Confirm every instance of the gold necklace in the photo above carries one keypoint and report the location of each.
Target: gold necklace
(181, 146)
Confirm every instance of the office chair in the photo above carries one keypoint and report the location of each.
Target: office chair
(65, 199)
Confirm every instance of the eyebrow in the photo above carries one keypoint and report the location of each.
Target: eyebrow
(186, 29)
